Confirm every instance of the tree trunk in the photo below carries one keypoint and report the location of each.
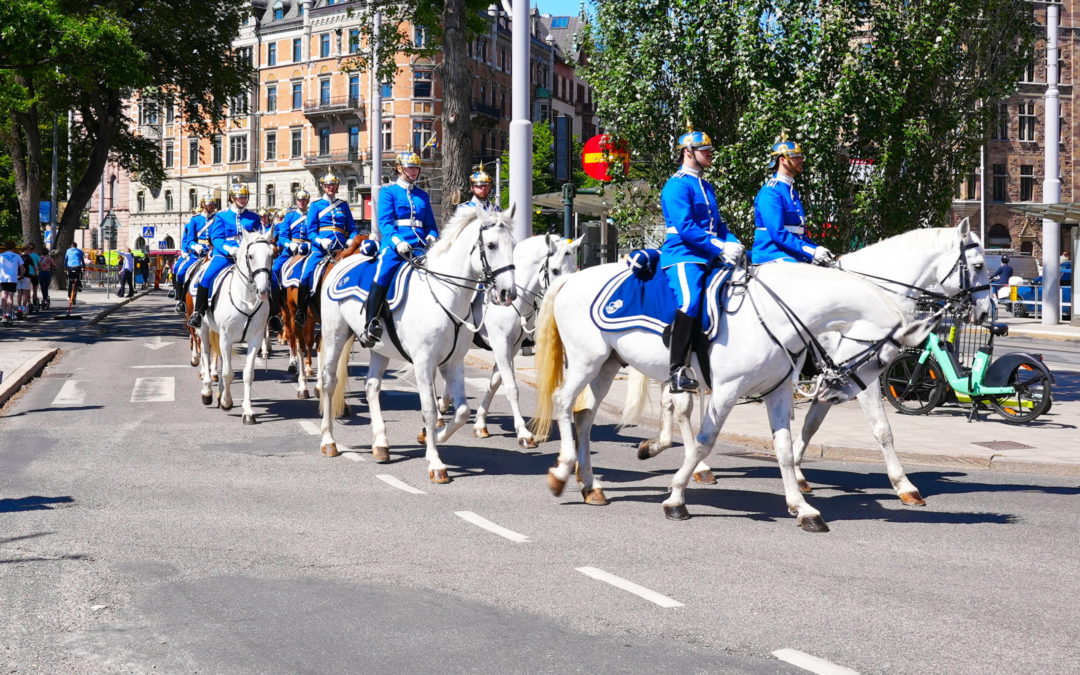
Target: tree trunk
(457, 90)
(24, 146)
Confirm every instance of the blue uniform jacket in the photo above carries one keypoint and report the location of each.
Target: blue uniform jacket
(780, 224)
(405, 215)
(229, 225)
(292, 230)
(336, 224)
(695, 231)
(475, 203)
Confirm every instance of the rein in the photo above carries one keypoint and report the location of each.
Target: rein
(249, 284)
(958, 267)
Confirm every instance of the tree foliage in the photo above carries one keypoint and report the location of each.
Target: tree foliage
(908, 85)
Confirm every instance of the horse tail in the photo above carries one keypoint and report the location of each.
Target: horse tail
(215, 345)
(585, 400)
(549, 359)
(338, 395)
(637, 395)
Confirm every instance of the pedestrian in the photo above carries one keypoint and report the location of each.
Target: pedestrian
(11, 268)
(22, 299)
(779, 217)
(697, 236)
(34, 273)
(1004, 273)
(45, 274)
(127, 271)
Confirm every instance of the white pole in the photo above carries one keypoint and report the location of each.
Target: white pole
(1051, 244)
(521, 125)
(982, 194)
(375, 129)
(498, 180)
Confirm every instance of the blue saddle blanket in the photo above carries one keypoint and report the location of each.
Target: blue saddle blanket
(628, 303)
(291, 270)
(352, 277)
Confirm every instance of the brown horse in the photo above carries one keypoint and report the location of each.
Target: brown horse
(189, 306)
(302, 338)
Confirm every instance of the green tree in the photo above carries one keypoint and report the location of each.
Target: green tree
(90, 56)
(910, 86)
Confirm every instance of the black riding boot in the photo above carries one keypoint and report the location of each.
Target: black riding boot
(274, 322)
(372, 310)
(682, 339)
(202, 299)
(301, 304)
(178, 293)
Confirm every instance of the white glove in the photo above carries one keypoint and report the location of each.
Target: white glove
(733, 250)
(823, 255)
(293, 247)
(231, 250)
(198, 249)
(403, 248)
(431, 239)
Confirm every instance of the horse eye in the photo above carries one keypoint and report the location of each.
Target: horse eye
(978, 267)
(556, 273)
(492, 247)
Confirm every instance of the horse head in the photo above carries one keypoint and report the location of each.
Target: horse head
(542, 259)
(493, 256)
(972, 275)
(255, 258)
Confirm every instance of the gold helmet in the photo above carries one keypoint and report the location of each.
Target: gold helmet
(302, 194)
(784, 148)
(480, 177)
(265, 213)
(239, 190)
(329, 179)
(207, 198)
(696, 140)
(407, 159)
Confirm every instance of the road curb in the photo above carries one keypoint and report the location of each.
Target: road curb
(1017, 331)
(109, 310)
(26, 372)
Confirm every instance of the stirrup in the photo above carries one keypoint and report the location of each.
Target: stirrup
(180, 306)
(274, 323)
(682, 380)
(196, 320)
(372, 334)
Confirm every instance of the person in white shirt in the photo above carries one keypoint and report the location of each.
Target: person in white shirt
(127, 272)
(11, 268)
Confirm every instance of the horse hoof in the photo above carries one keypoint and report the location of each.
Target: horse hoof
(527, 443)
(912, 498)
(804, 487)
(303, 394)
(330, 450)
(207, 399)
(481, 432)
(595, 497)
(705, 477)
(676, 512)
(555, 484)
(438, 476)
(225, 407)
(643, 450)
(214, 378)
(195, 363)
(249, 419)
(308, 372)
(813, 524)
(292, 368)
(422, 436)
(380, 454)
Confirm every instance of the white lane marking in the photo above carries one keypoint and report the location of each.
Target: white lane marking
(812, 663)
(629, 586)
(154, 390)
(314, 429)
(72, 393)
(399, 484)
(492, 527)
(354, 455)
(165, 365)
(157, 344)
(310, 427)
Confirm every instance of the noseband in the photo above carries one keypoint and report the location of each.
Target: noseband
(249, 279)
(489, 274)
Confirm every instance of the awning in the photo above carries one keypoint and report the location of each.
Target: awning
(591, 206)
(1065, 212)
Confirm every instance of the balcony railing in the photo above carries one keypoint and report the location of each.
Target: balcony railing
(335, 105)
(350, 156)
(485, 109)
(150, 131)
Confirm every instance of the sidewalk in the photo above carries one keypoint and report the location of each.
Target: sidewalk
(29, 345)
(1049, 445)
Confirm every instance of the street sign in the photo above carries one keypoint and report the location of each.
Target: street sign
(45, 212)
(148, 232)
(163, 244)
(601, 154)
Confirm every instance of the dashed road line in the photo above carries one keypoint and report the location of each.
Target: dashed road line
(154, 390)
(310, 427)
(164, 365)
(314, 429)
(812, 663)
(486, 524)
(399, 484)
(629, 586)
(73, 392)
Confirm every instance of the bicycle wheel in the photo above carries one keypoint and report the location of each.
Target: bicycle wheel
(908, 396)
(1032, 397)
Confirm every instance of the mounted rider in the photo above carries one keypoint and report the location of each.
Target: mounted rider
(225, 234)
(329, 228)
(480, 185)
(194, 243)
(697, 236)
(406, 227)
(290, 237)
(779, 217)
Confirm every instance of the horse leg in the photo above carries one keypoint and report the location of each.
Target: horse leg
(591, 489)
(682, 409)
(780, 403)
(652, 447)
(874, 409)
(504, 360)
(814, 417)
(455, 394)
(225, 399)
(206, 392)
(576, 377)
(335, 340)
(298, 344)
(697, 449)
(480, 425)
(425, 386)
(249, 376)
(377, 363)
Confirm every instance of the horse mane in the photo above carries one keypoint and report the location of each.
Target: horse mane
(458, 224)
(921, 239)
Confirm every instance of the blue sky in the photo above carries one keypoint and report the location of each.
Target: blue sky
(559, 7)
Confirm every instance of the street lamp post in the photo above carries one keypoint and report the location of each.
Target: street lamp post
(1051, 244)
(375, 132)
(521, 125)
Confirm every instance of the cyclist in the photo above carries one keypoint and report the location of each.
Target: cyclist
(74, 262)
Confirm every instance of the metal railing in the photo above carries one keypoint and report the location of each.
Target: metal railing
(322, 159)
(333, 105)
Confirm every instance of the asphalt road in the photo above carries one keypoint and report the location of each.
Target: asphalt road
(161, 535)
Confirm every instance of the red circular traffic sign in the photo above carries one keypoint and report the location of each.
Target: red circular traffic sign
(602, 153)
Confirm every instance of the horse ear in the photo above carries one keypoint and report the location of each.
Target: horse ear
(511, 212)
(915, 333)
(577, 242)
(964, 228)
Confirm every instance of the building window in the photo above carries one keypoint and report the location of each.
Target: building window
(354, 90)
(387, 135)
(271, 98)
(419, 37)
(168, 200)
(217, 149)
(354, 192)
(354, 40)
(324, 92)
(271, 54)
(293, 189)
(560, 21)
(238, 148)
(294, 142)
(1029, 71)
(1027, 182)
(422, 133)
(999, 237)
(354, 143)
(270, 196)
(279, 10)
(972, 181)
(192, 200)
(170, 155)
(1027, 120)
(1000, 182)
(112, 192)
(297, 50)
(170, 113)
(422, 84)
(297, 95)
(271, 145)
(149, 112)
(324, 45)
(324, 141)
(239, 105)
(140, 201)
(1001, 128)
(245, 54)
(193, 152)
(386, 90)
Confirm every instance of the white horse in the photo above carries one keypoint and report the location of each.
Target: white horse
(756, 351)
(947, 261)
(475, 248)
(539, 261)
(239, 315)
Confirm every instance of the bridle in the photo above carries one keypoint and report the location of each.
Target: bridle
(959, 267)
(249, 279)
